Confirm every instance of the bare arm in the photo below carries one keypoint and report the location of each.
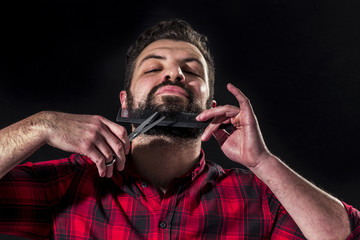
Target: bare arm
(93, 136)
(318, 215)
(19, 141)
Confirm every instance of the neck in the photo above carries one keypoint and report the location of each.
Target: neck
(161, 159)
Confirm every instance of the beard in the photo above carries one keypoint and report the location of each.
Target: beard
(170, 107)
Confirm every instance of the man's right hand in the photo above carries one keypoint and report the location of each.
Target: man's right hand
(93, 136)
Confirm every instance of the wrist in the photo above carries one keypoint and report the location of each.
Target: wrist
(42, 124)
(267, 164)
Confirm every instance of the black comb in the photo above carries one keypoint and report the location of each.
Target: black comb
(184, 120)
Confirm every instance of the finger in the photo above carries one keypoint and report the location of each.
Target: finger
(109, 170)
(116, 145)
(236, 121)
(226, 111)
(120, 162)
(120, 132)
(221, 136)
(118, 150)
(98, 159)
(106, 157)
(244, 102)
(212, 128)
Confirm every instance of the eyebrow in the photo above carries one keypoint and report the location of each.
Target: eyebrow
(186, 60)
(151, 56)
(154, 56)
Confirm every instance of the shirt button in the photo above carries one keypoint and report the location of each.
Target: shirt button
(163, 225)
(144, 184)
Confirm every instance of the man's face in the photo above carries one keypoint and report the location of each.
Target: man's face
(172, 61)
(169, 76)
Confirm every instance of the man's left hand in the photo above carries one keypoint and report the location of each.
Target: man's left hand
(245, 143)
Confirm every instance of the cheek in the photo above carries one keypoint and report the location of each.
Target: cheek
(204, 90)
(141, 89)
(199, 88)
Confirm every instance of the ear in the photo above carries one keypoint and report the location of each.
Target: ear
(123, 99)
(213, 103)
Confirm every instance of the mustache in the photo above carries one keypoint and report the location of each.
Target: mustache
(172, 108)
(189, 93)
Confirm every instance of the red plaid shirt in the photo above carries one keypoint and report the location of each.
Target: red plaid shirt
(66, 199)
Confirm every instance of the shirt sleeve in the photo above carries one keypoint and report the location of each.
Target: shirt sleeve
(29, 193)
(354, 218)
(284, 226)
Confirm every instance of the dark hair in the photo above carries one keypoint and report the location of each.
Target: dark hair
(178, 30)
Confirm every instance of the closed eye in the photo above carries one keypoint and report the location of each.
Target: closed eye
(191, 73)
(153, 70)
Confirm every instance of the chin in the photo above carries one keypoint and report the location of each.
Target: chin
(171, 103)
(174, 132)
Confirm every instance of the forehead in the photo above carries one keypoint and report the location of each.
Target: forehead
(172, 49)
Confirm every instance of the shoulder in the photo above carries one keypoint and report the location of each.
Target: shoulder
(237, 176)
(239, 185)
(73, 164)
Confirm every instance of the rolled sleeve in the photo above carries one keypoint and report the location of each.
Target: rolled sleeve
(354, 218)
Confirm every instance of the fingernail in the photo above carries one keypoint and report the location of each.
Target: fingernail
(127, 149)
(121, 168)
(203, 136)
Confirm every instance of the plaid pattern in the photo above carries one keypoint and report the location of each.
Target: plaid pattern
(66, 199)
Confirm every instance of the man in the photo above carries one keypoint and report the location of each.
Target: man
(160, 186)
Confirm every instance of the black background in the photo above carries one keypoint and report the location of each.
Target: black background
(298, 62)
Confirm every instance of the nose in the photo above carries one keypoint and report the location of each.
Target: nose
(174, 73)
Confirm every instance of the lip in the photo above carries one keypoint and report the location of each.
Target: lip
(172, 90)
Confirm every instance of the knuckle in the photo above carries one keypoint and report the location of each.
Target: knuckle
(108, 155)
(97, 122)
(90, 134)
(98, 117)
(119, 147)
(97, 160)
(122, 131)
(93, 135)
(96, 128)
(247, 100)
(86, 145)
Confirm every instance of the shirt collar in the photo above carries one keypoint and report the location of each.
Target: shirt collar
(198, 167)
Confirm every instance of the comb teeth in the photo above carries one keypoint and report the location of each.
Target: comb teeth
(185, 120)
(176, 117)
